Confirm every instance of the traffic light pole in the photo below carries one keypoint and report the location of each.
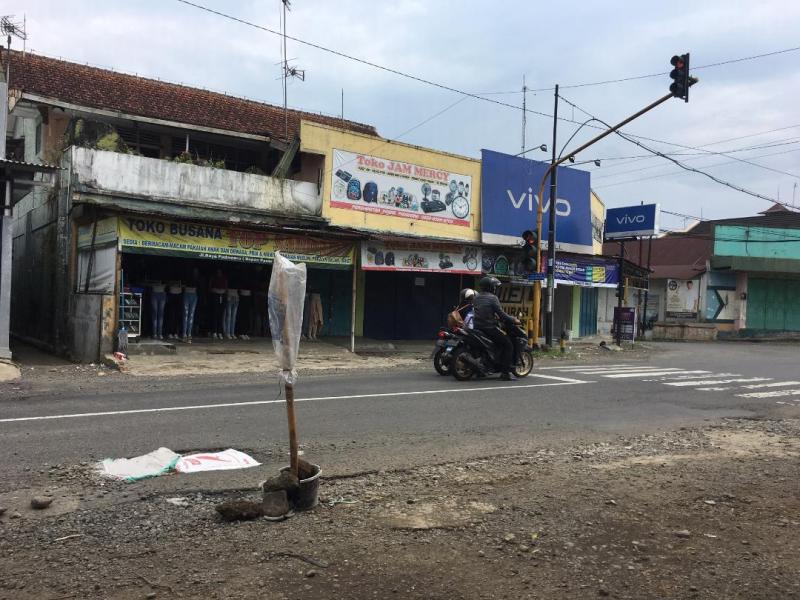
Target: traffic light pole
(551, 239)
(537, 289)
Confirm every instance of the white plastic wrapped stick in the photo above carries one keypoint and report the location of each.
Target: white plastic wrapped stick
(287, 292)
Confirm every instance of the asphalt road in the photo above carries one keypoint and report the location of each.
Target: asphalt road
(399, 418)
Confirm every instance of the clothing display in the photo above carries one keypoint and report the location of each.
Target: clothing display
(189, 307)
(315, 317)
(173, 311)
(158, 300)
(231, 309)
(244, 323)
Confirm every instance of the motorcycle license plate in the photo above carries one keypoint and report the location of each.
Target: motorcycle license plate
(449, 349)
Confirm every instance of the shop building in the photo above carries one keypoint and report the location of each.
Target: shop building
(416, 211)
(164, 190)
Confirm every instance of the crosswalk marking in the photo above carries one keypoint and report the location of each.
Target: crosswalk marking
(704, 376)
(755, 386)
(715, 381)
(649, 374)
(772, 394)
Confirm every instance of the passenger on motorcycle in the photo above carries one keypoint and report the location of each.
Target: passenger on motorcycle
(465, 309)
(487, 311)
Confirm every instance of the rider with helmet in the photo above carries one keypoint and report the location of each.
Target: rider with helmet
(465, 299)
(487, 310)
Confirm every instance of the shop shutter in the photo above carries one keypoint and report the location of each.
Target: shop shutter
(773, 304)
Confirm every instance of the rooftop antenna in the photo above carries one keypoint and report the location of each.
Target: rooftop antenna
(12, 29)
(794, 193)
(288, 72)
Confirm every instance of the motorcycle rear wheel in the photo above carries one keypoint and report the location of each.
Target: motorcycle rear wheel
(461, 369)
(524, 364)
(441, 362)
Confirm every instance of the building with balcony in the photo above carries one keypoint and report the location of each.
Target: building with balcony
(165, 193)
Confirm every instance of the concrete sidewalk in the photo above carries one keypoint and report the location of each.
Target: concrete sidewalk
(206, 356)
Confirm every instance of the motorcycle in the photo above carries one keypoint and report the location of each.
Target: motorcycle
(476, 354)
(446, 343)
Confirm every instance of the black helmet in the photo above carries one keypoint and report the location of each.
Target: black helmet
(466, 296)
(489, 284)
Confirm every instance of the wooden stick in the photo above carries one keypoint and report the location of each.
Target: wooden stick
(292, 430)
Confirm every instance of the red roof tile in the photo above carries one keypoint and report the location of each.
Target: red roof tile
(93, 87)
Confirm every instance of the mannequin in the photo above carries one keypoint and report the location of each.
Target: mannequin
(218, 287)
(231, 309)
(189, 305)
(245, 314)
(173, 309)
(316, 320)
(260, 287)
(158, 299)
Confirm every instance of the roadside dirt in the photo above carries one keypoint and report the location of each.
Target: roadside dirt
(711, 513)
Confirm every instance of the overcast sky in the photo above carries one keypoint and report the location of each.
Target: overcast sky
(487, 47)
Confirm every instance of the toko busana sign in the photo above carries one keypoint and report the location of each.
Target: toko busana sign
(632, 221)
(509, 202)
(393, 188)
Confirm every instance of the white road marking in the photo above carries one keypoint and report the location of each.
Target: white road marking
(594, 367)
(646, 374)
(715, 381)
(713, 389)
(705, 376)
(768, 385)
(558, 381)
(773, 394)
(626, 370)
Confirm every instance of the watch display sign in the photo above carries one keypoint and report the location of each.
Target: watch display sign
(432, 257)
(400, 189)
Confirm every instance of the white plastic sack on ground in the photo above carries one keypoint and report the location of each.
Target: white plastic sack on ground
(151, 464)
(215, 461)
(287, 290)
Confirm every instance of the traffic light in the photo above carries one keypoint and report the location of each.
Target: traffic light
(529, 251)
(680, 76)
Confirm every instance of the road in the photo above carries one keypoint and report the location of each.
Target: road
(399, 418)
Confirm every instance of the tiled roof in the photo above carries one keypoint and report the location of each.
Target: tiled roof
(93, 87)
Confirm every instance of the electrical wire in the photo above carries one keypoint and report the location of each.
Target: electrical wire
(711, 152)
(450, 88)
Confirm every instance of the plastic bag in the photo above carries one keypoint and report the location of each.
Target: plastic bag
(287, 292)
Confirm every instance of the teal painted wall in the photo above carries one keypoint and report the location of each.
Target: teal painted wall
(758, 242)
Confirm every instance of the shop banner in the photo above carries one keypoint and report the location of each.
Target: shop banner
(178, 238)
(509, 201)
(420, 256)
(683, 296)
(585, 272)
(397, 189)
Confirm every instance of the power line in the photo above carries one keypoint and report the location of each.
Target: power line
(742, 160)
(686, 167)
(440, 85)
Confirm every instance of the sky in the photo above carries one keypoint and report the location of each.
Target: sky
(487, 48)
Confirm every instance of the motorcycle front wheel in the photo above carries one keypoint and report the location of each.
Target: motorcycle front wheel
(441, 362)
(461, 368)
(524, 364)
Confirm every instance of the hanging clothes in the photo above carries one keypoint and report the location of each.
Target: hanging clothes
(316, 318)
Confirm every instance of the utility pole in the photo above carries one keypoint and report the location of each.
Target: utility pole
(524, 113)
(620, 291)
(551, 235)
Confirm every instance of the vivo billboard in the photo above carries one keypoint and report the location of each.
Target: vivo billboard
(509, 201)
(632, 221)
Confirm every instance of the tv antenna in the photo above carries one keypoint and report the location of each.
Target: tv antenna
(288, 71)
(11, 29)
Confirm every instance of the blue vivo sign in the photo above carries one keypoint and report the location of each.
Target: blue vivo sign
(630, 221)
(509, 189)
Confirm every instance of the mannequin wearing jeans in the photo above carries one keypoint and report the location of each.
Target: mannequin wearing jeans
(231, 308)
(218, 285)
(189, 306)
(158, 299)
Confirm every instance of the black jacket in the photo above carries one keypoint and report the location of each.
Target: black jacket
(487, 307)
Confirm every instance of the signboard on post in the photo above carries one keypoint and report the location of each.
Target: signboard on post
(632, 221)
(625, 321)
(509, 188)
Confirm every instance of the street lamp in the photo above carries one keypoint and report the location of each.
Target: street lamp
(543, 148)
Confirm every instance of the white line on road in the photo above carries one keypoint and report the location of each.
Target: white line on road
(591, 367)
(774, 394)
(559, 381)
(716, 381)
(647, 374)
(755, 386)
(624, 370)
(706, 376)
